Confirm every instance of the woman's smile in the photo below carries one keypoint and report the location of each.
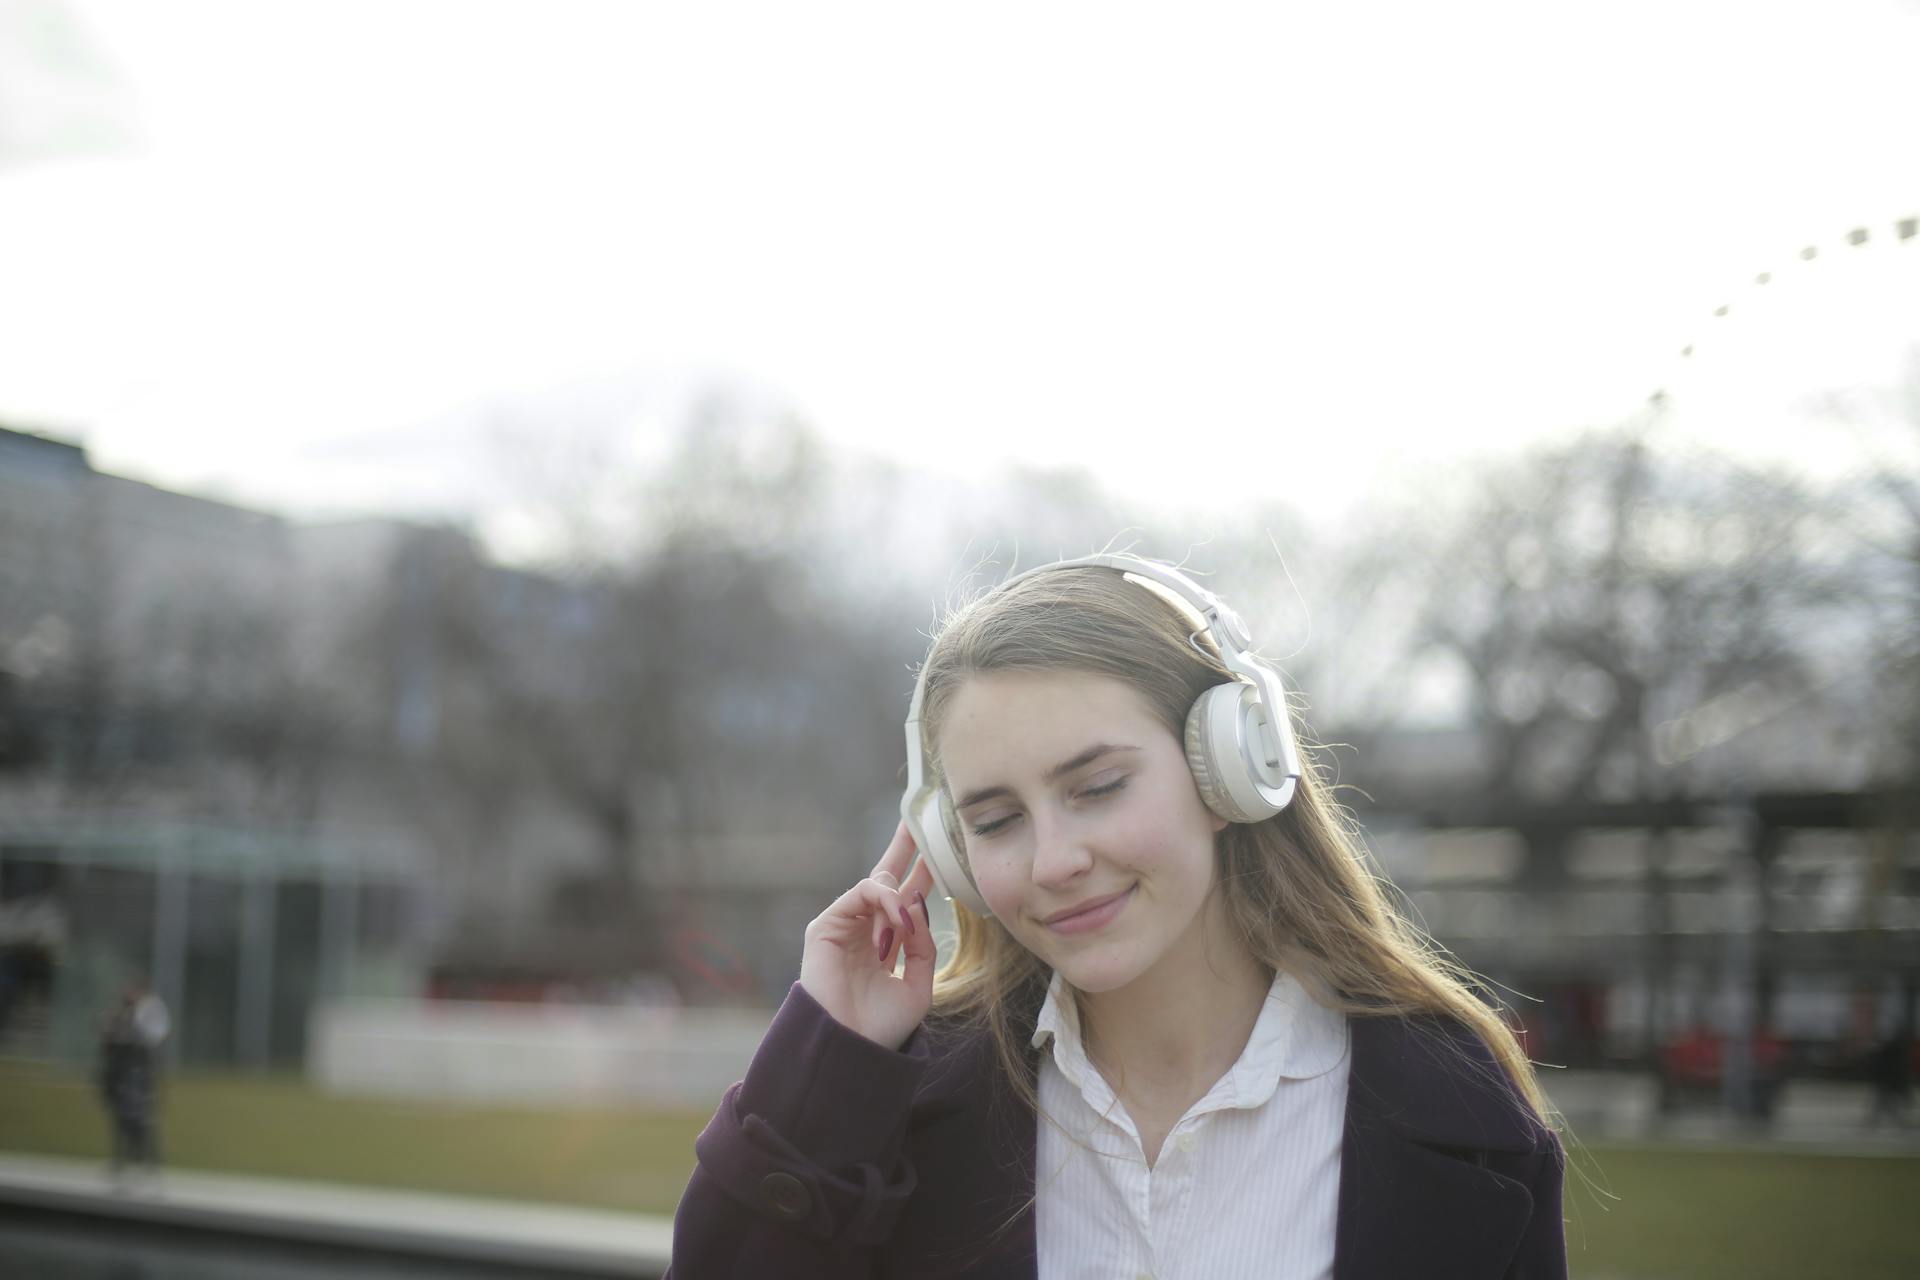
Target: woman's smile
(1094, 914)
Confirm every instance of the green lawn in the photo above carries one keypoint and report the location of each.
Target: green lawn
(1681, 1214)
(1694, 1214)
(607, 1157)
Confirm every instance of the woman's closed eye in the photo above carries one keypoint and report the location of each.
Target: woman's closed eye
(1091, 793)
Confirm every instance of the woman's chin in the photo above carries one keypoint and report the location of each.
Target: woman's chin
(1095, 974)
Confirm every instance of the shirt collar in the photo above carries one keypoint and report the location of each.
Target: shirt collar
(1294, 1038)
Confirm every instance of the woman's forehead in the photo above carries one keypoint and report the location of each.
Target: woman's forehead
(1009, 721)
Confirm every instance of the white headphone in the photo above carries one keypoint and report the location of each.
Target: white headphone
(1239, 738)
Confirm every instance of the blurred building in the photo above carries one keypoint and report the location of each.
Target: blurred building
(242, 929)
(156, 788)
(224, 734)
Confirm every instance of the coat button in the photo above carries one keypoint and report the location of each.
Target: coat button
(786, 1195)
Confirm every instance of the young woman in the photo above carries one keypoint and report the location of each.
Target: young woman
(1181, 1033)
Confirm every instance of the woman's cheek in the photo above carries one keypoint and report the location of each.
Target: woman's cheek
(997, 884)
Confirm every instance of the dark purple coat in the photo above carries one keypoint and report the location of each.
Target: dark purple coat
(838, 1158)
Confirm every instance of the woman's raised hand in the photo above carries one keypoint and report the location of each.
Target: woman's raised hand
(853, 946)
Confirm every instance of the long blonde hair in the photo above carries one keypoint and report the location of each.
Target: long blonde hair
(1299, 890)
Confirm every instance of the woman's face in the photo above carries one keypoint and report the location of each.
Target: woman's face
(1086, 834)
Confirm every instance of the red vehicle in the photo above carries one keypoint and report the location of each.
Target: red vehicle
(1693, 1066)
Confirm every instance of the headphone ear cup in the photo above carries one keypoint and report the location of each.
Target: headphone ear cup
(1220, 708)
(957, 850)
(938, 829)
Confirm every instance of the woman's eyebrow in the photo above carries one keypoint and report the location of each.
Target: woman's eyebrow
(1054, 774)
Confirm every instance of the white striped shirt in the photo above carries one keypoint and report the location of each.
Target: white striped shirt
(1246, 1184)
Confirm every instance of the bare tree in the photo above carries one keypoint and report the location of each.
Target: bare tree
(1880, 511)
(1614, 611)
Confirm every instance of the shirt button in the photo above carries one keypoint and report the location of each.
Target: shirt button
(1186, 1142)
(1144, 1275)
(786, 1195)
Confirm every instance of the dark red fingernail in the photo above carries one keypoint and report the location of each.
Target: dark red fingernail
(920, 900)
(906, 920)
(886, 944)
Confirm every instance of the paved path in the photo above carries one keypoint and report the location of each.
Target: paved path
(573, 1241)
(1812, 1115)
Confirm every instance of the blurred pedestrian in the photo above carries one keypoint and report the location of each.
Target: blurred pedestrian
(1890, 1065)
(130, 1046)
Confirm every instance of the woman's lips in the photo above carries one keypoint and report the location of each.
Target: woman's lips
(1098, 916)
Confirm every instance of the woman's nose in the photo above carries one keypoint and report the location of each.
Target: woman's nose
(1060, 853)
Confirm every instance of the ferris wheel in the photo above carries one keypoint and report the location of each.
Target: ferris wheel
(1898, 235)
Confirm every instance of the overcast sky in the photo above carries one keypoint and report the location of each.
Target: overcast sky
(313, 255)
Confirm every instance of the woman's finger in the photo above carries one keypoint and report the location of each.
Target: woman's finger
(917, 942)
(894, 862)
(863, 909)
(918, 949)
(919, 880)
(884, 903)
